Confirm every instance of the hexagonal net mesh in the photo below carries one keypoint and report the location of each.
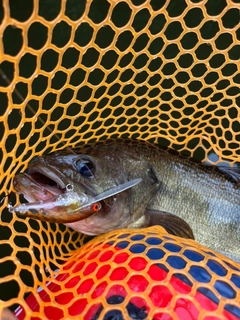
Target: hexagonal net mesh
(80, 71)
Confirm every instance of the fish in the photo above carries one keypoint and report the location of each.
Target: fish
(189, 199)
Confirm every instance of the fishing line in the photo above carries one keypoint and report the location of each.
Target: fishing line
(6, 196)
(9, 195)
(28, 106)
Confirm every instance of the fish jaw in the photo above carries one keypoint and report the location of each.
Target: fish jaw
(114, 214)
(51, 203)
(32, 191)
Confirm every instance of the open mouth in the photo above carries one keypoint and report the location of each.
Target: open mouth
(49, 181)
(54, 182)
(47, 196)
(44, 180)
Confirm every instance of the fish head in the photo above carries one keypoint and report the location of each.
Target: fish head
(91, 171)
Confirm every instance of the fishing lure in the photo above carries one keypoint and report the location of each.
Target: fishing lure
(77, 206)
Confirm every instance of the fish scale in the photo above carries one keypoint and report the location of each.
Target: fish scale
(189, 199)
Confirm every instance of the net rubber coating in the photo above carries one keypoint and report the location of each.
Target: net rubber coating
(80, 71)
(139, 274)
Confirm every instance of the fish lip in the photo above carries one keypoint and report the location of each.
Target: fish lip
(41, 186)
(61, 185)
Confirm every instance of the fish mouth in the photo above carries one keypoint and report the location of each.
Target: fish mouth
(47, 180)
(51, 198)
(51, 181)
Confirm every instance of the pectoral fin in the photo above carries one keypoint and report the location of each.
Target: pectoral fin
(172, 223)
(233, 173)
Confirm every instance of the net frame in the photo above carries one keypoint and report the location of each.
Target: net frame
(136, 76)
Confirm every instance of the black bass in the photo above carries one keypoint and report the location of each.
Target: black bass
(188, 199)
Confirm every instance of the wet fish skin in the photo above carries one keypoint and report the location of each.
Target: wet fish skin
(205, 197)
(119, 211)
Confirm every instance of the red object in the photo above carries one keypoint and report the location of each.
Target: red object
(100, 273)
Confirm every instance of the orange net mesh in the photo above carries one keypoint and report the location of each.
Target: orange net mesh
(79, 71)
(139, 274)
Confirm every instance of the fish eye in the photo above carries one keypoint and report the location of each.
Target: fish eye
(85, 168)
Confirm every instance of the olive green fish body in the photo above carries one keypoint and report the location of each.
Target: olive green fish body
(206, 197)
(187, 198)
